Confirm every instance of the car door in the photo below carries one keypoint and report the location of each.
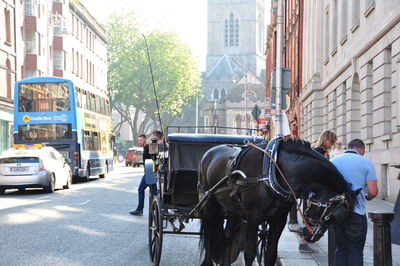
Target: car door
(58, 168)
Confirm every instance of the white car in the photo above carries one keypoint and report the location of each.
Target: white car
(42, 167)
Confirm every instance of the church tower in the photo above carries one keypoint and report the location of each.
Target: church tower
(236, 28)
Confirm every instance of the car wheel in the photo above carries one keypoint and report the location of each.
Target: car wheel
(69, 181)
(2, 191)
(50, 187)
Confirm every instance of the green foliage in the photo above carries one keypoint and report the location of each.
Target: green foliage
(176, 75)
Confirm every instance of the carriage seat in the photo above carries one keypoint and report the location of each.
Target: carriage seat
(185, 154)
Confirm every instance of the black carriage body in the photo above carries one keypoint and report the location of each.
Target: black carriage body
(185, 153)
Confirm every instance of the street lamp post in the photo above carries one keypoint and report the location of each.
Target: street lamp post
(245, 100)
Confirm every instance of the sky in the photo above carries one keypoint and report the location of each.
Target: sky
(186, 17)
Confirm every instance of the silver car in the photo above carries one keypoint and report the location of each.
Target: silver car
(34, 167)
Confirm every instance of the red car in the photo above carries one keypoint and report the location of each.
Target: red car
(134, 157)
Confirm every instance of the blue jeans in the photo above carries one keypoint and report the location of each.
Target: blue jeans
(141, 189)
(350, 240)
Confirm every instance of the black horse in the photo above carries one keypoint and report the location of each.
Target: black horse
(254, 202)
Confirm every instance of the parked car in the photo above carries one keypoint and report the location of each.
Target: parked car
(134, 157)
(39, 167)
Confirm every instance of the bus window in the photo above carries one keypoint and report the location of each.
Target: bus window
(92, 102)
(78, 97)
(98, 106)
(43, 97)
(84, 99)
(102, 103)
(108, 108)
(44, 131)
(87, 141)
(96, 141)
(104, 143)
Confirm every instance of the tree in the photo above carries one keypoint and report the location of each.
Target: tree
(176, 74)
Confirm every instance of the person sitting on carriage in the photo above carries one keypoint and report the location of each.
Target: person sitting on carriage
(143, 185)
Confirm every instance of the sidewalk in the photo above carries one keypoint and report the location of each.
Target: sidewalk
(289, 255)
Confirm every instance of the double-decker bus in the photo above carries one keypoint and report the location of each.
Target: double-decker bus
(75, 121)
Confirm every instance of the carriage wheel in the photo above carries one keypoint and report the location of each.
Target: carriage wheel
(155, 230)
(262, 243)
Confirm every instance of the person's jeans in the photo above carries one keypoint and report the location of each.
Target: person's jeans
(350, 240)
(141, 189)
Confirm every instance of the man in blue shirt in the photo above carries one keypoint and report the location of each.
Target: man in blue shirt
(351, 233)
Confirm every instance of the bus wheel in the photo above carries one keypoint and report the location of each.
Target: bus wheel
(87, 177)
(104, 175)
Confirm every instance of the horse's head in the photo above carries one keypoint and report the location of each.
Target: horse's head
(320, 211)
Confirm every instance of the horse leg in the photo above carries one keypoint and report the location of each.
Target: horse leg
(276, 227)
(213, 234)
(251, 243)
(232, 230)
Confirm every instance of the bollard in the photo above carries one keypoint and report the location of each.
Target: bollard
(331, 246)
(382, 238)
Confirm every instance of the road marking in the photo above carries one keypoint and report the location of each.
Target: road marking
(84, 202)
(44, 197)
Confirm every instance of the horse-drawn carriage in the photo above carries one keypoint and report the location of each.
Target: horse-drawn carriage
(227, 187)
(176, 167)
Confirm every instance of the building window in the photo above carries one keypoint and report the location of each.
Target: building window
(73, 60)
(355, 14)
(58, 59)
(8, 26)
(231, 31)
(344, 21)
(226, 33)
(9, 78)
(326, 32)
(369, 7)
(334, 26)
(223, 93)
(216, 94)
(29, 8)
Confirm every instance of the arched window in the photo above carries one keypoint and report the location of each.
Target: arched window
(8, 80)
(231, 31)
(216, 94)
(226, 33)
(223, 93)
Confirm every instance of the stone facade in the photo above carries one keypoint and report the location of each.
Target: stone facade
(351, 79)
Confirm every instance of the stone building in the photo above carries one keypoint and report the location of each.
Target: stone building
(7, 70)
(351, 66)
(236, 44)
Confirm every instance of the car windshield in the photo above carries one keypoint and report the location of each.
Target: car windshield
(19, 160)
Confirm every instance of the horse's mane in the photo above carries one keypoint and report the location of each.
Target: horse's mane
(303, 147)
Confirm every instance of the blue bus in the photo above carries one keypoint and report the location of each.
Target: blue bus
(75, 121)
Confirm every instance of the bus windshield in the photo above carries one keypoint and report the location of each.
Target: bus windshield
(43, 97)
(44, 131)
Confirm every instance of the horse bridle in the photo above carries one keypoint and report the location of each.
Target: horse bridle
(329, 208)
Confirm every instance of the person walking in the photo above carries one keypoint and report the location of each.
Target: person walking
(142, 186)
(351, 232)
(396, 221)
